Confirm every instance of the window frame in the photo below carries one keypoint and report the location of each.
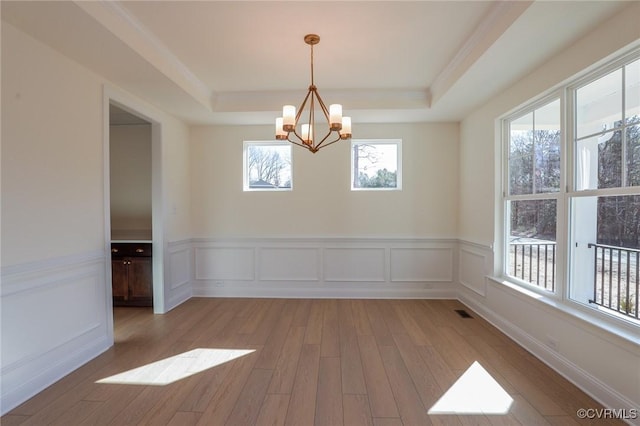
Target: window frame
(557, 196)
(568, 191)
(245, 165)
(397, 143)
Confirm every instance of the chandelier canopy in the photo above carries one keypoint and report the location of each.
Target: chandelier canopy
(300, 129)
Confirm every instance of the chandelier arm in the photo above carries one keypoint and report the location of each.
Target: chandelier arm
(324, 107)
(312, 119)
(302, 105)
(297, 143)
(297, 136)
(322, 144)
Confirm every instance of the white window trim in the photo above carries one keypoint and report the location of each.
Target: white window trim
(397, 143)
(245, 166)
(560, 272)
(560, 299)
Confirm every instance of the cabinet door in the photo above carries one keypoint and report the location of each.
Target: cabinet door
(120, 279)
(140, 278)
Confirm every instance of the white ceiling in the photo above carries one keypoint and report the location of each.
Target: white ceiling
(238, 62)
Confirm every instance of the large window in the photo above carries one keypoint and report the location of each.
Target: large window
(376, 164)
(532, 197)
(572, 192)
(267, 166)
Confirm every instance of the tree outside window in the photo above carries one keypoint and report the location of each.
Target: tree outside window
(376, 165)
(267, 166)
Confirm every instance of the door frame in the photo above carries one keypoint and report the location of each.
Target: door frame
(136, 107)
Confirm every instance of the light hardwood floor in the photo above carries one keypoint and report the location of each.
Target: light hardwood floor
(316, 362)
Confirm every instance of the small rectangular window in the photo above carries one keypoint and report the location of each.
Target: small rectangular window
(267, 166)
(376, 164)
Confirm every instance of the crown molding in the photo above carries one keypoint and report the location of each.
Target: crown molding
(499, 18)
(117, 20)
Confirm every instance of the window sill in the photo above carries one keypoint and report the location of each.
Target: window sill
(619, 331)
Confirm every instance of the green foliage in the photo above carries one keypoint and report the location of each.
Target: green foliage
(629, 308)
(382, 179)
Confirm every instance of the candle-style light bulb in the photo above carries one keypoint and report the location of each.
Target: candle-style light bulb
(335, 116)
(307, 134)
(288, 118)
(345, 132)
(280, 133)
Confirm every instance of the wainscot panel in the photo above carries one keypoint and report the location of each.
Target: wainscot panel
(474, 266)
(225, 263)
(56, 334)
(324, 267)
(422, 264)
(289, 264)
(355, 264)
(179, 264)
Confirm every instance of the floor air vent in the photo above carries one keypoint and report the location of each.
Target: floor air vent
(463, 313)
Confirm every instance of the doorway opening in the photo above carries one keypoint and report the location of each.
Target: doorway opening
(133, 204)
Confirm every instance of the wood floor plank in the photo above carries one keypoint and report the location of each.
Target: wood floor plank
(112, 404)
(284, 372)
(279, 329)
(184, 418)
(301, 316)
(248, 405)
(14, 419)
(302, 405)
(402, 309)
(360, 318)
(77, 413)
(445, 420)
(274, 410)
(410, 407)
(356, 410)
(440, 370)
(220, 406)
(313, 335)
(387, 421)
(425, 383)
(351, 363)
(329, 410)
(330, 346)
(378, 324)
(526, 413)
(381, 397)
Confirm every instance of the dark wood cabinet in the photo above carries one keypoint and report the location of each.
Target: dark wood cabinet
(131, 274)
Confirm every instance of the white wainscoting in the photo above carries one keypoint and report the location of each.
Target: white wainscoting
(178, 273)
(474, 265)
(324, 267)
(55, 317)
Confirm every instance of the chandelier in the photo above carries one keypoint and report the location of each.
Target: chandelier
(290, 126)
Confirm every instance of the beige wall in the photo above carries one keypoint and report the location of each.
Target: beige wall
(52, 159)
(321, 203)
(130, 175)
(176, 179)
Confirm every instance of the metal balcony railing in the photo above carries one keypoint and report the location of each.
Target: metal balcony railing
(616, 281)
(534, 262)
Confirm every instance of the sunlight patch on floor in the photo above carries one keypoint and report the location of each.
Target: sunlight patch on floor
(475, 392)
(169, 370)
